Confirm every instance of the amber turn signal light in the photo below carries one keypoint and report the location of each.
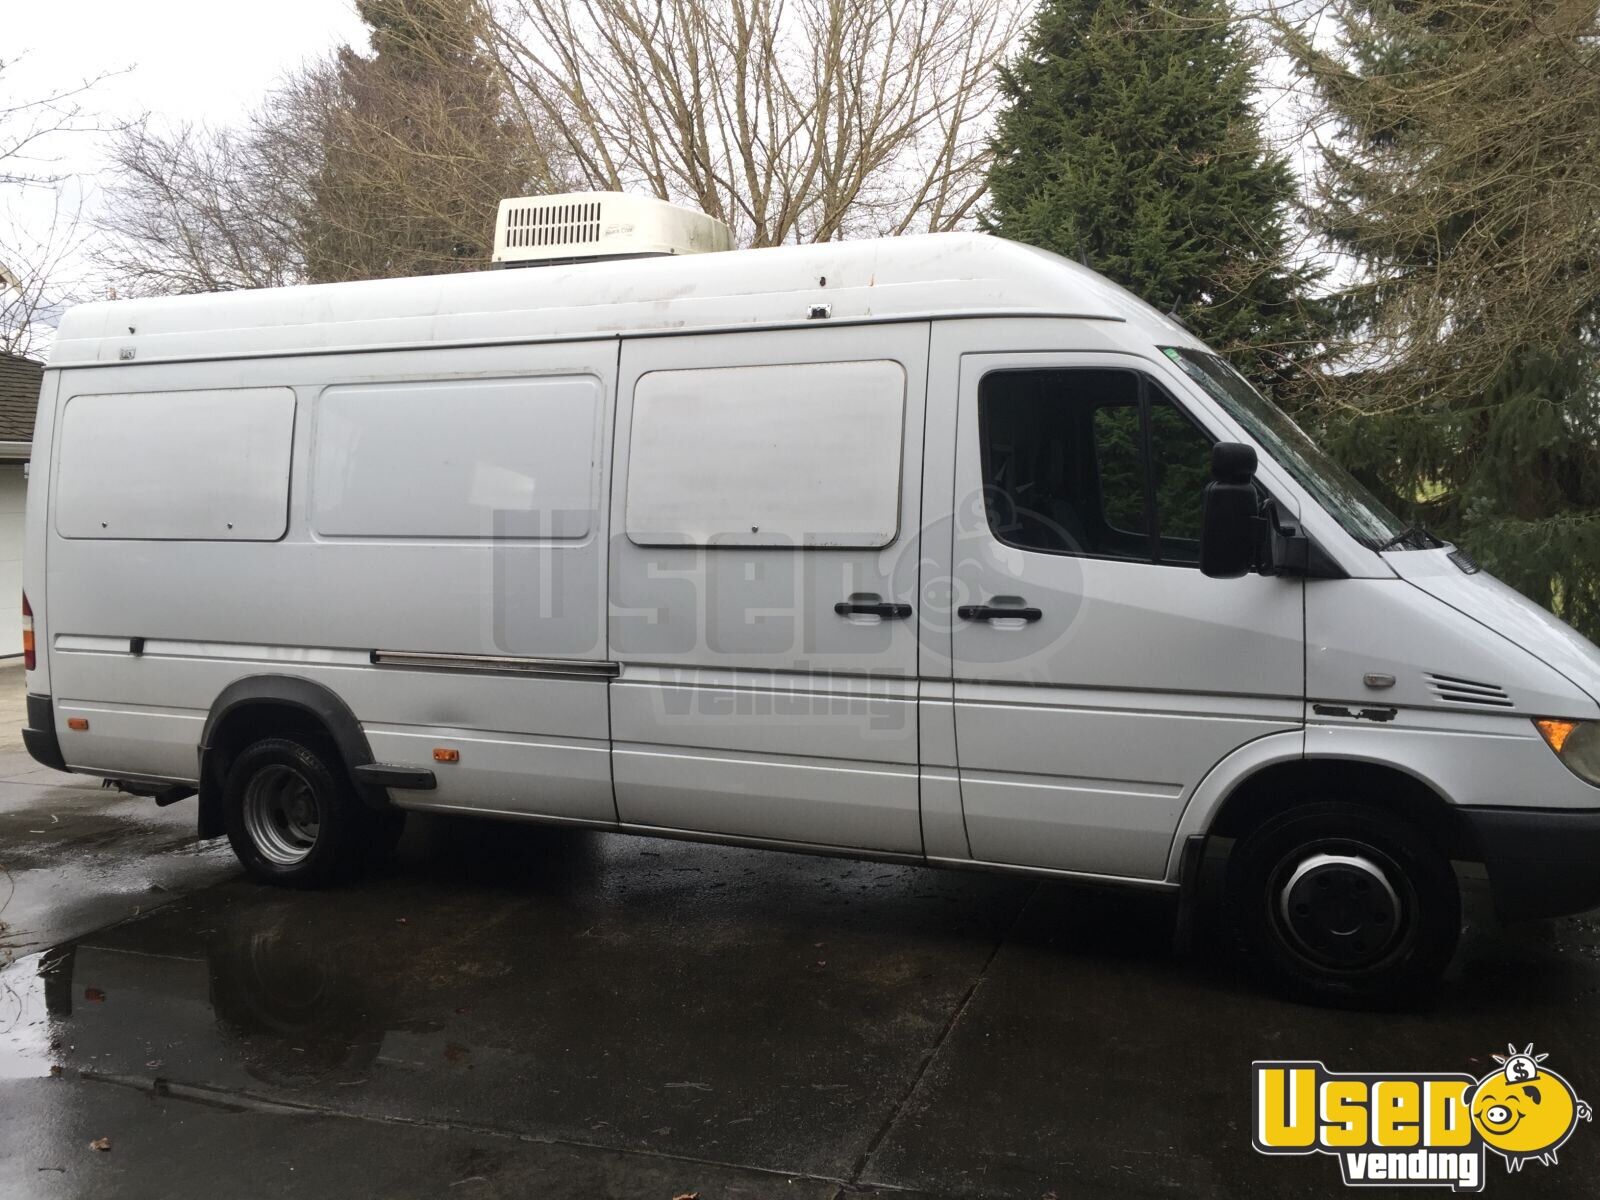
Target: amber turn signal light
(77, 722)
(1556, 732)
(441, 754)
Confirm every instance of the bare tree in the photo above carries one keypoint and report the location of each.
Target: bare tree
(793, 121)
(359, 166)
(39, 237)
(194, 209)
(38, 278)
(27, 126)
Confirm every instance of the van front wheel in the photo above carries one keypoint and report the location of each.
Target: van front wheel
(1345, 904)
(292, 817)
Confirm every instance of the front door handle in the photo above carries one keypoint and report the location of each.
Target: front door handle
(878, 608)
(993, 612)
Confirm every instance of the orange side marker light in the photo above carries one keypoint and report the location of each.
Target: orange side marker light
(442, 754)
(1556, 732)
(77, 722)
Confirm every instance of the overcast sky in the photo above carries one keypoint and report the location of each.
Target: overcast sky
(185, 58)
(179, 60)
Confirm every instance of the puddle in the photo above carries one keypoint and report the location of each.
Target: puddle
(255, 1002)
(25, 1027)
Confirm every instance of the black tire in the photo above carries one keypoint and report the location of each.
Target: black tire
(293, 817)
(1344, 904)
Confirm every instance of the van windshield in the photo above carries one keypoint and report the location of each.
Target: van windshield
(1361, 513)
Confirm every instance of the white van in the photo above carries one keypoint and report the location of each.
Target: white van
(937, 549)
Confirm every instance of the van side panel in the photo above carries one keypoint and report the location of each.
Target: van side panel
(419, 521)
(767, 498)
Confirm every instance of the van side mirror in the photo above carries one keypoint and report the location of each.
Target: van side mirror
(1230, 530)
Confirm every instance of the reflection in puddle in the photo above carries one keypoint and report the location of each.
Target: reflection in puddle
(282, 1009)
(288, 1012)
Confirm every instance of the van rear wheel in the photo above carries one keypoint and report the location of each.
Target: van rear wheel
(1345, 904)
(292, 816)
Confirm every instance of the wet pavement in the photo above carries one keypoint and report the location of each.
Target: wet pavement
(77, 856)
(511, 1010)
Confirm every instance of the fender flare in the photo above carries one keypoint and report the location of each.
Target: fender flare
(1224, 778)
(316, 700)
(1313, 744)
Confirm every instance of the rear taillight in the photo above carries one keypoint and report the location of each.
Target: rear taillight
(28, 657)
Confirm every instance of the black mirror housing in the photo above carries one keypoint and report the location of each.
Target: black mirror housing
(1230, 524)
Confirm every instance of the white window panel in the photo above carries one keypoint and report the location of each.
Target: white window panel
(798, 455)
(201, 465)
(510, 458)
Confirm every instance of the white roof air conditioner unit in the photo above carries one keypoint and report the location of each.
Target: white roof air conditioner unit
(593, 226)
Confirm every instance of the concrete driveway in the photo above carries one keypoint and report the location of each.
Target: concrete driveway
(513, 1011)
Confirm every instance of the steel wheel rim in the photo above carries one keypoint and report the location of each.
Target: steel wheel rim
(1342, 906)
(282, 815)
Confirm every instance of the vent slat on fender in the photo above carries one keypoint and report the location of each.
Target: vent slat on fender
(1453, 690)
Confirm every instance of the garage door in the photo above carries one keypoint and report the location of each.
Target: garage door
(13, 497)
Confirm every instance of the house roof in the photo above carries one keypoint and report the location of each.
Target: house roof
(928, 276)
(19, 397)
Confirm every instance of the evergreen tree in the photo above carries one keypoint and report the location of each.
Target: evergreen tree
(1128, 137)
(417, 150)
(1466, 185)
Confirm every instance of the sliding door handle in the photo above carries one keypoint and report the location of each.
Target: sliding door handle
(852, 608)
(992, 612)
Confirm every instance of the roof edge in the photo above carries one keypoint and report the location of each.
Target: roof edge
(921, 277)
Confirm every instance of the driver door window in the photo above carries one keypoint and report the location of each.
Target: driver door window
(1092, 462)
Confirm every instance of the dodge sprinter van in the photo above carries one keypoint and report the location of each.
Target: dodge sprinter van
(936, 549)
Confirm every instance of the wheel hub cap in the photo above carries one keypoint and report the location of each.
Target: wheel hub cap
(281, 815)
(1340, 909)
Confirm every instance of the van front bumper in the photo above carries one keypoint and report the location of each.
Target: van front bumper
(40, 735)
(1542, 862)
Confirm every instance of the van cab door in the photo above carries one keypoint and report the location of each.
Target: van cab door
(764, 558)
(1097, 675)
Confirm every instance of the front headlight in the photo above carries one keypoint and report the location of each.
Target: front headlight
(1576, 743)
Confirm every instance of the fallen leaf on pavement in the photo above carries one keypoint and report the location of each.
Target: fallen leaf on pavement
(100, 1144)
(687, 1196)
(94, 995)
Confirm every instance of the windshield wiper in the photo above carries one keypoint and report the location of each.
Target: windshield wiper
(1426, 540)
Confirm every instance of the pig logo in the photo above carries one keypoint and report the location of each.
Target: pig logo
(1416, 1129)
(1525, 1110)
